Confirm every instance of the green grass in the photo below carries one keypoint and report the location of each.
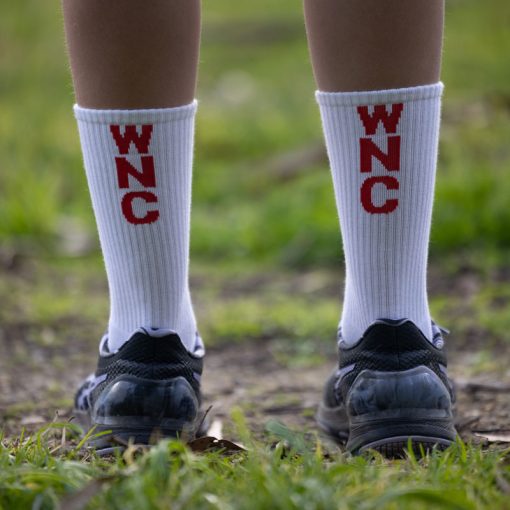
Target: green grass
(295, 472)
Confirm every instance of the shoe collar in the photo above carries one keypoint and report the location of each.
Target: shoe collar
(197, 352)
(437, 333)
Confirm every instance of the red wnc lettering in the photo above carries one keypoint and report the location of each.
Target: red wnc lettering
(380, 114)
(368, 150)
(131, 136)
(127, 207)
(366, 194)
(147, 177)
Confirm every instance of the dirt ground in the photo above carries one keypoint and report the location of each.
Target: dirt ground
(264, 389)
(37, 378)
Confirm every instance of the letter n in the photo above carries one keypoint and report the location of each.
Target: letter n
(368, 150)
(147, 177)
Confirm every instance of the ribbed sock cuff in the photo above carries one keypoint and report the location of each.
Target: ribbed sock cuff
(149, 116)
(371, 97)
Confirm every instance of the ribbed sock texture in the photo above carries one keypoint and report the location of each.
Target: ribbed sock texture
(384, 199)
(139, 168)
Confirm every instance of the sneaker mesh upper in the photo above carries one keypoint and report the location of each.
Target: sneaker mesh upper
(386, 347)
(146, 357)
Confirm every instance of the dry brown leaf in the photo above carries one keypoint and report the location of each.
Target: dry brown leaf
(208, 443)
(473, 386)
(33, 419)
(495, 437)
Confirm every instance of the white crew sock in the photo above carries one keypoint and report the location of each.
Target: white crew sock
(383, 175)
(138, 165)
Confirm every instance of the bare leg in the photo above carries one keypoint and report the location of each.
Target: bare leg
(133, 54)
(374, 44)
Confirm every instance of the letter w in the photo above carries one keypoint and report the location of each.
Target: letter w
(131, 135)
(390, 121)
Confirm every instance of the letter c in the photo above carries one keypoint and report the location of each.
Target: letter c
(127, 207)
(366, 195)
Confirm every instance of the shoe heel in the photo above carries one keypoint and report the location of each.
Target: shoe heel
(142, 410)
(387, 409)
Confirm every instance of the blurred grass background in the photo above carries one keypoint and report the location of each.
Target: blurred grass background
(262, 191)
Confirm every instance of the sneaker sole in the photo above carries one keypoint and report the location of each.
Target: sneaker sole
(400, 446)
(106, 440)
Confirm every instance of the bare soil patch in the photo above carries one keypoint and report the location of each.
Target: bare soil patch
(37, 378)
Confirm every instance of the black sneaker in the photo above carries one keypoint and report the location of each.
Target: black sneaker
(390, 387)
(149, 388)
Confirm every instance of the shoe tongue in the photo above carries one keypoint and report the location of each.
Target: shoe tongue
(198, 348)
(390, 322)
(156, 332)
(151, 333)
